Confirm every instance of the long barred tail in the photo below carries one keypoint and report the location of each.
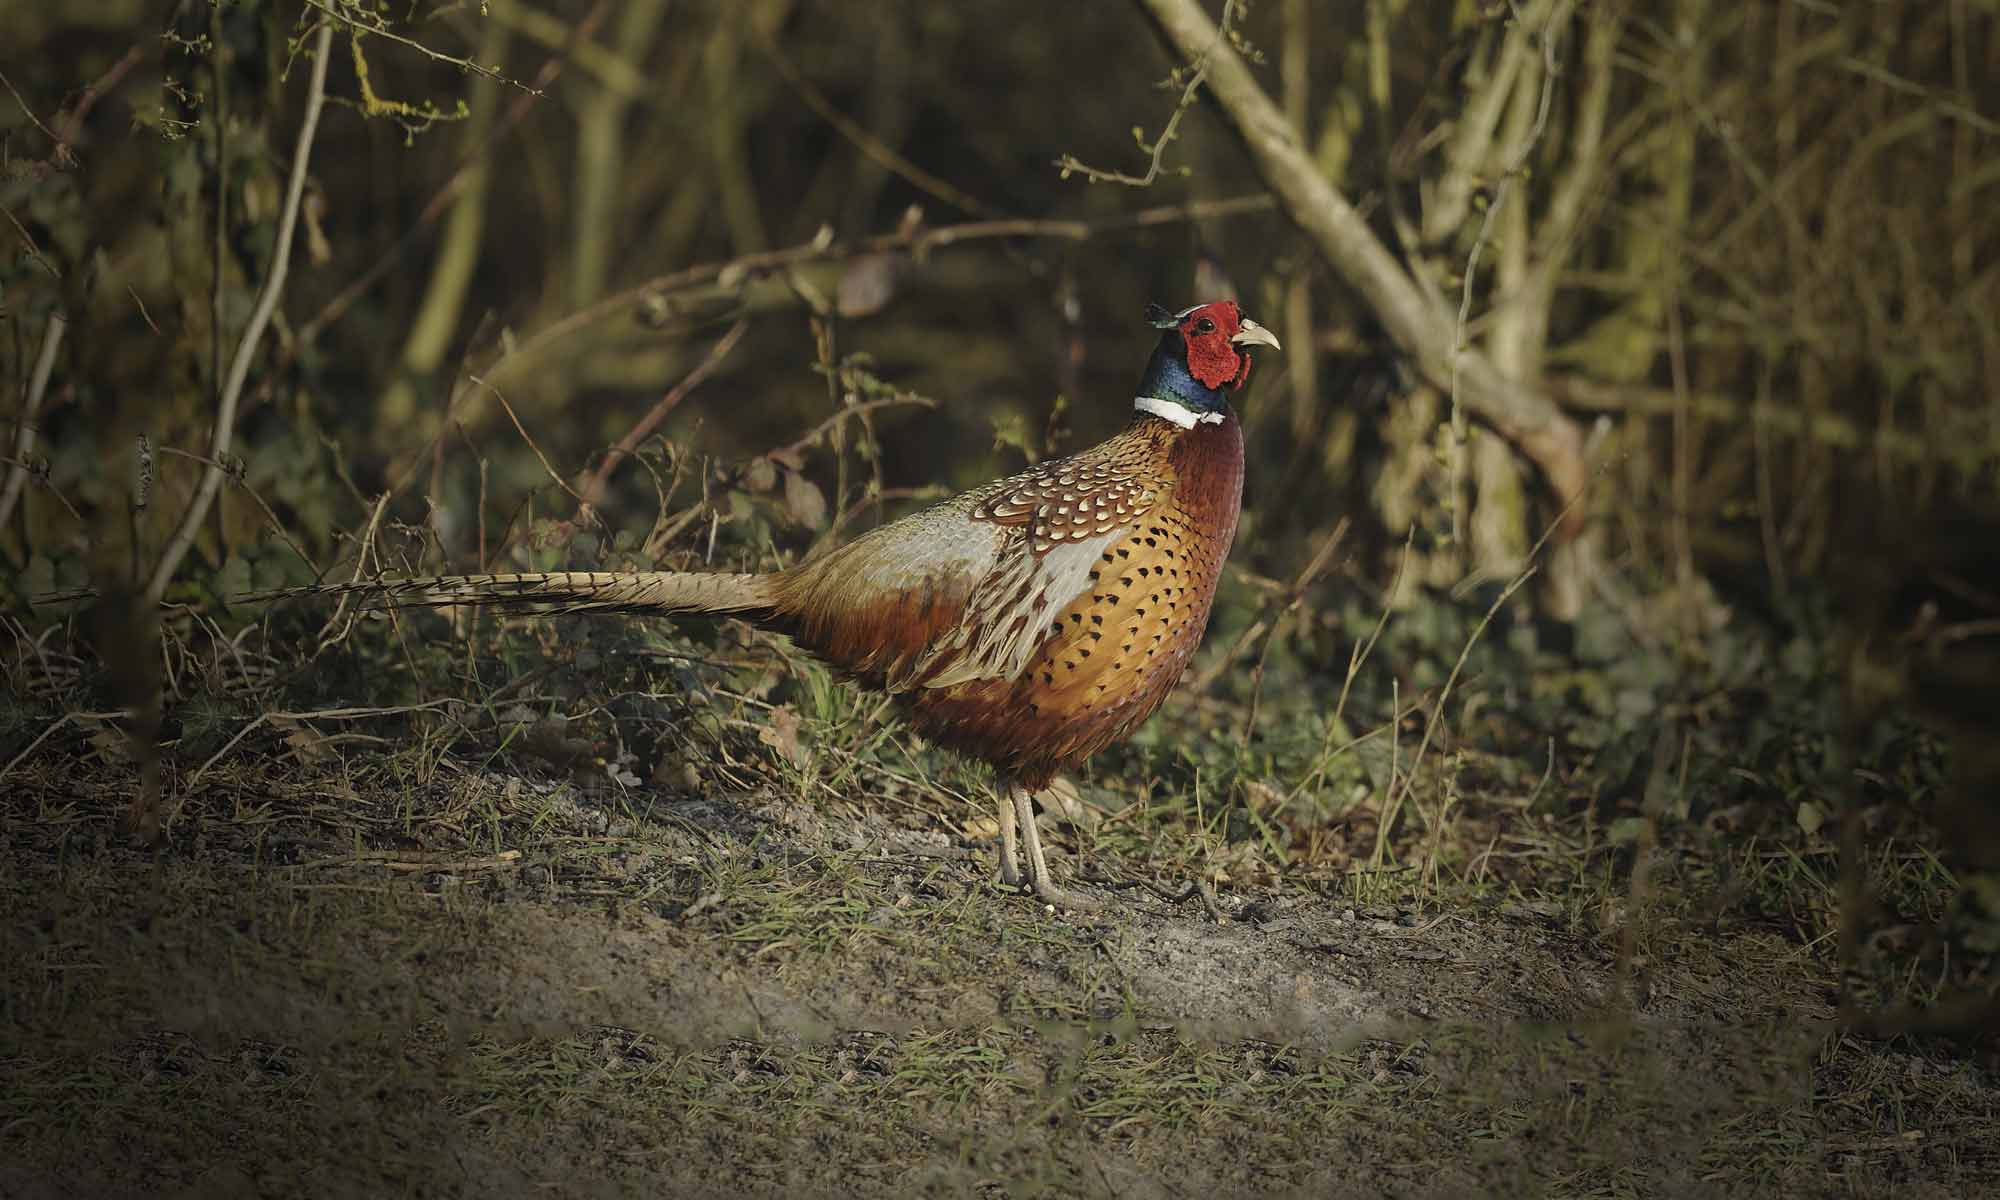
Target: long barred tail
(554, 591)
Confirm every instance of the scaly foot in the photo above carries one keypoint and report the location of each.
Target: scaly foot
(1010, 859)
(1038, 867)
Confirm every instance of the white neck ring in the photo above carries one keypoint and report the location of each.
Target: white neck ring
(1173, 410)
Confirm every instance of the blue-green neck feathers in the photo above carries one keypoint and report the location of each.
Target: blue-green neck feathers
(1167, 378)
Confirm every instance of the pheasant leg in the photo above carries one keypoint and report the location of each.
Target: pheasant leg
(1010, 860)
(1038, 866)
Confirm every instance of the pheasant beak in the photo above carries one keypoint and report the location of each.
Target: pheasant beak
(1253, 334)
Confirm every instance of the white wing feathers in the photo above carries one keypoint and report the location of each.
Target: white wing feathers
(1009, 611)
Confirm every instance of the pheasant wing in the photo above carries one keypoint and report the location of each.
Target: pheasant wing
(1060, 518)
(1070, 500)
(965, 590)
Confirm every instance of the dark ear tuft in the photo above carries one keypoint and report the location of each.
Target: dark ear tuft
(1158, 317)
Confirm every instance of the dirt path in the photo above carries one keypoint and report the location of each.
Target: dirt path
(476, 987)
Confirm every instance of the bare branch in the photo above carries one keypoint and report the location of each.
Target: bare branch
(253, 332)
(1587, 157)
(1198, 71)
(1471, 146)
(440, 201)
(813, 435)
(1521, 414)
(234, 469)
(917, 240)
(1287, 599)
(574, 42)
(28, 241)
(70, 121)
(31, 407)
(865, 141)
(383, 31)
(592, 485)
(62, 156)
(523, 431)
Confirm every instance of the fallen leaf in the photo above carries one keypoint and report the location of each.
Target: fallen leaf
(308, 746)
(1063, 799)
(114, 744)
(1264, 798)
(760, 475)
(782, 735)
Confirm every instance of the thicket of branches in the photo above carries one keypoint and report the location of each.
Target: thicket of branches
(1715, 277)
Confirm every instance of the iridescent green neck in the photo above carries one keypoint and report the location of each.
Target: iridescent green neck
(1167, 378)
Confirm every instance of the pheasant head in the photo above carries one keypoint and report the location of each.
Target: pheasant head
(1203, 356)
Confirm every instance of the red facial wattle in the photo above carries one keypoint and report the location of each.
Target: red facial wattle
(1211, 357)
(1242, 371)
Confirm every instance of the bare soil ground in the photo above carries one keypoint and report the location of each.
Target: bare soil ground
(350, 979)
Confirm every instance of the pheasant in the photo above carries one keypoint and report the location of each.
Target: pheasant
(1028, 623)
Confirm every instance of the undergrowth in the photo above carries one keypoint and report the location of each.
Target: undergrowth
(1565, 760)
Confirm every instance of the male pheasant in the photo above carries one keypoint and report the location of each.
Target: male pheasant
(1028, 623)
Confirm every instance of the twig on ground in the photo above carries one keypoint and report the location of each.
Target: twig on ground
(58, 724)
(326, 637)
(1195, 887)
(404, 863)
(324, 714)
(412, 861)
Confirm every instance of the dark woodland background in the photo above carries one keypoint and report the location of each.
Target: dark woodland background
(1749, 250)
(1704, 519)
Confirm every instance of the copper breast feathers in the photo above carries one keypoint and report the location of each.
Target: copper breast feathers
(1103, 603)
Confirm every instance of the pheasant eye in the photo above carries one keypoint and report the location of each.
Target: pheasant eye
(1204, 326)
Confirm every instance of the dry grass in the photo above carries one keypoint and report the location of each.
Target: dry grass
(676, 914)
